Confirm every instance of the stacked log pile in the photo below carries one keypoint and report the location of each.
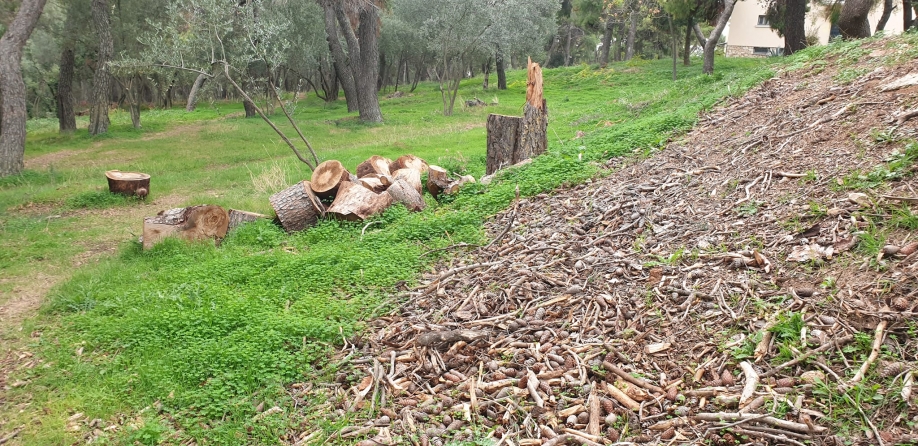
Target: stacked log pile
(332, 190)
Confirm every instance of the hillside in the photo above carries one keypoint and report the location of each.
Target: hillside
(753, 281)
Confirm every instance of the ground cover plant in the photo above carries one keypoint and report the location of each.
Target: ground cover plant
(195, 341)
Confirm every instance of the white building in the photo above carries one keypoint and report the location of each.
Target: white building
(750, 35)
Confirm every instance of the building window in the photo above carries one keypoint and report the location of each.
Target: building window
(763, 21)
(761, 50)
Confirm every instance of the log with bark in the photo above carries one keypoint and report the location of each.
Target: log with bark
(404, 192)
(503, 141)
(297, 207)
(374, 165)
(534, 126)
(408, 162)
(354, 202)
(412, 176)
(128, 183)
(326, 178)
(192, 223)
(238, 218)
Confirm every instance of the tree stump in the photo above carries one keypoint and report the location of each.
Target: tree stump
(356, 203)
(412, 176)
(297, 207)
(192, 223)
(503, 141)
(404, 192)
(534, 126)
(237, 218)
(374, 165)
(128, 183)
(408, 162)
(326, 178)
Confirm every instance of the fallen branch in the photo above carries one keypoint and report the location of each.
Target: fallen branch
(874, 353)
(562, 439)
(781, 439)
(905, 116)
(621, 397)
(783, 424)
(434, 338)
(627, 377)
(752, 380)
(824, 347)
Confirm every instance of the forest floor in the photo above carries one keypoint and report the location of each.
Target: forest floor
(753, 282)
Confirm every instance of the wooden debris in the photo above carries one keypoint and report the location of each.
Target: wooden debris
(327, 177)
(374, 165)
(355, 203)
(237, 218)
(408, 162)
(402, 191)
(503, 142)
(437, 180)
(534, 126)
(203, 222)
(297, 207)
(411, 176)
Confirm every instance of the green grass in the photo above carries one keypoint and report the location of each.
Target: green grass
(202, 334)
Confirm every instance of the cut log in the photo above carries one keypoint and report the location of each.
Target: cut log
(437, 180)
(192, 223)
(355, 202)
(237, 218)
(326, 178)
(128, 183)
(408, 162)
(297, 207)
(503, 141)
(404, 192)
(372, 183)
(412, 176)
(375, 164)
(534, 126)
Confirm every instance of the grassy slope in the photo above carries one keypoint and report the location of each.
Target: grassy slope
(209, 333)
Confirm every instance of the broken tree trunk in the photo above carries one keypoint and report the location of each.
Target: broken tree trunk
(534, 126)
(327, 176)
(355, 202)
(404, 192)
(128, 183)
(297, 207)
(192, 223)
(237, 218)
(412, 176)
(408, 162)
(503, 141)
(375, 164)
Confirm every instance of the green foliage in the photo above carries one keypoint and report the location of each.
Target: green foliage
(209, 331)
(98, 200)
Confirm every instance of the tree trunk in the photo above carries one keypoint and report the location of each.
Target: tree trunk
(403, 192)
(101, 79)
(852, 22)
(501, 72)
(381, 76)
(12, 87)
(339, 59)
(374, 165)
(606, 42)
(794, 21)
(297, 207)
(192, 223)
(327, 177)
(687, 49)
(711, 44)
(249, 108)
(437, 180)
(567, 46)
(675, 37)
(193, 95)
(355, 202)
(486, 72)
(238, 218)
(534, 126)
(699, 35)
(907, 20)
(503, 141)
(64, 97)
(887, 11)
(409, 175)
(367, 97)
(632, 32)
